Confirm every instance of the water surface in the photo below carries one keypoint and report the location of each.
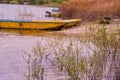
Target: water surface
(24, 12)
(13, 43)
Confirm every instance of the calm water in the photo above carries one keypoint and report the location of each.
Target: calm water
(20, 12)
(13, 43)
(12, 64)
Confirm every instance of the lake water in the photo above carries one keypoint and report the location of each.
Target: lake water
(12, 63)
(13, 43)
(20, 12)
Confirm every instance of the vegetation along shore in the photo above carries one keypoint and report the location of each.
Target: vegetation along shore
(54, 3)
(88, 51)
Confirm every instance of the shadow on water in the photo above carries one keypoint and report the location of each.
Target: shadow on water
(28, 32)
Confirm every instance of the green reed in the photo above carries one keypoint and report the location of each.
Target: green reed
(94, 58)
(34, 61)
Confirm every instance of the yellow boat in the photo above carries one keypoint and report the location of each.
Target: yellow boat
(71, 22)
(28, 24)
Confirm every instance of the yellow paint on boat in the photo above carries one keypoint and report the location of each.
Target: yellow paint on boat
(31, 25)
(36, 24)
(72, 22)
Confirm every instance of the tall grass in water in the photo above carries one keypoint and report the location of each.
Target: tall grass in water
(108, 54)
(25, 14)
(35, 63)
(101, 65)
(96, 58)
(90, 9)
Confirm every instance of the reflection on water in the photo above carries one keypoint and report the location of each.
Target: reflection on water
(12, 47)
(32, 32)
(24, 12)
(14, 42)
(27, 32)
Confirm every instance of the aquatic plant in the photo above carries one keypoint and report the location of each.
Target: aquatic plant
(35, 63)
(25, 15)
(108, 44)
(94, 58)
(104, 59)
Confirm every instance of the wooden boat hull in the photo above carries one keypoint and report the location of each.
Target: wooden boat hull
(72, 22)
(27, 24)
(31, 24)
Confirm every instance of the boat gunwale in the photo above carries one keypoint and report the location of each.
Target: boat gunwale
(36, 22)
(39, 21)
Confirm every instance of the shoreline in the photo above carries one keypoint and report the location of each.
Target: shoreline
(83, 30)
(42, 5)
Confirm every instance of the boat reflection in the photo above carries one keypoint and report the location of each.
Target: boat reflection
(28, 32)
